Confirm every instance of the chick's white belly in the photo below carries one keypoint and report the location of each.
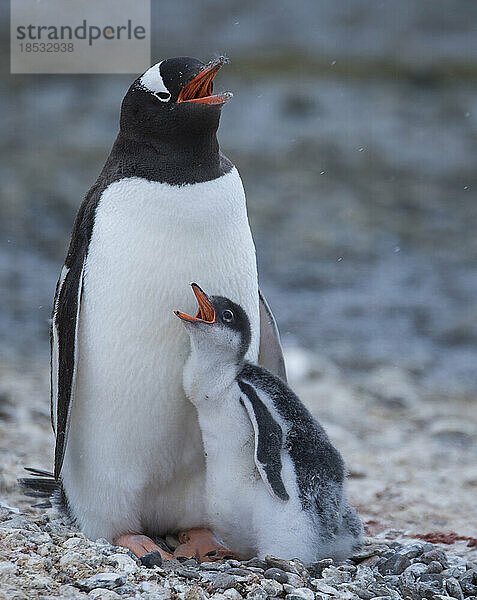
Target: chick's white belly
(134, 458)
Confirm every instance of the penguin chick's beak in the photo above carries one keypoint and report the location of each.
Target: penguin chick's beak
(199, 89)
(206, 312)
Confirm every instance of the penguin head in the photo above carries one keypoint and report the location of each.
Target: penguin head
(221, 327)
(173, 97)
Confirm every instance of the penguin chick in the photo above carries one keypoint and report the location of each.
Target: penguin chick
(274, 481)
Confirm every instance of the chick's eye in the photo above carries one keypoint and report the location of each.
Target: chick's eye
(163, 95)
(227, 316)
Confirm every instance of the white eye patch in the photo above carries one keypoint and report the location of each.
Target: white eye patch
(152, 81)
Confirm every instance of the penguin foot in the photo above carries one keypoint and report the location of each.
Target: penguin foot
(202, 545)
(144, 548)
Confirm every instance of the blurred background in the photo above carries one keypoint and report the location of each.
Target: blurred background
(354, 127)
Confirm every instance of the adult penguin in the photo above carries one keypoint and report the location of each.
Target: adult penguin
(168, 208)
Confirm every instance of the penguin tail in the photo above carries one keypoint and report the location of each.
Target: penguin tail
(43, 485)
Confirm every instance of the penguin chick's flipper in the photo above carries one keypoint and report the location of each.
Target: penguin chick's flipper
(202, 545)
(270, 352)
(268, 442)
(144, 548)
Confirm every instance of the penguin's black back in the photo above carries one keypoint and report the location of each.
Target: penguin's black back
(318, 465)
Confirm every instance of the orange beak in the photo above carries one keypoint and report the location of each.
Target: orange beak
(206, 312)
(199, 89)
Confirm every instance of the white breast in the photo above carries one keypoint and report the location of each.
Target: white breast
(132, 428)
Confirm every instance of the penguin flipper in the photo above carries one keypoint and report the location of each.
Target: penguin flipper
(268, 442)
(64, 353)
(270, 354)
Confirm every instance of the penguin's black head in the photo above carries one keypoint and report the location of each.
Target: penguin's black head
(173, 97)
(219, 323)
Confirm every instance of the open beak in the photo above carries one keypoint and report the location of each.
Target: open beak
(206, 312)
(200, 88)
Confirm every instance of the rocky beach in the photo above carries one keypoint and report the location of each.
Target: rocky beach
(412, 472)
(354, 127)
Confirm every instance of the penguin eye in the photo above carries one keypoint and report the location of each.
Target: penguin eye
(227, 316)
(163, 95)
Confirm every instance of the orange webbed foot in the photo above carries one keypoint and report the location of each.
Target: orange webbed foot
(202, 545)
(149, 553)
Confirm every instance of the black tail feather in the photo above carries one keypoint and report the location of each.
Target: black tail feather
(44, 485)
(39, 472)
(36, 494)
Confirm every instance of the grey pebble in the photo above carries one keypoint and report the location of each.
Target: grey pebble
(416, 569)
(379, 589)
(70, 592)
(279, 563)
(333, 575)
(19, 522)
(301, 594)
(395, 565)
(348, 568)
(426, 590)
(103, 594)
(148, 587)
(364, 574)
(362, 592)
(190, 562)
(126, 590)
(367, 551)
(471, 574)
(123, 562)
(108, 581)
(453, 588)
(412, 550)
(255, 562)
(277, 574)
(212, 566)
(257, 593)
(295, 580)
(433, 578)
(233, 594)
(257, 570)
(272, 587)
(407, 585)
(234, 563)
(224, 581)
(321, 586)
(208, 575)
(434, 567)
(238, 571)
(172, 541)
(316, 569)
(370, 562)
(434, 555)
(469, 589)
(195, 593)
(151, 559)
(188, 573)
